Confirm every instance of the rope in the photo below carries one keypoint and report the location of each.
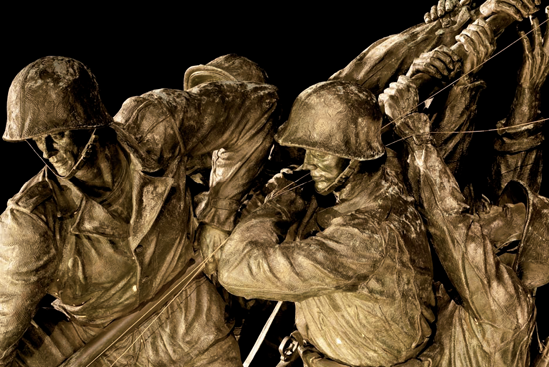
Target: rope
(464, 75)
(470, 131)
(203, 263)
(188, 280)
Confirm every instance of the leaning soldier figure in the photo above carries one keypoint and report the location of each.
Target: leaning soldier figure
(248, 316)
(108, 225)
(353, 255)
(495, 258)
(229, 67)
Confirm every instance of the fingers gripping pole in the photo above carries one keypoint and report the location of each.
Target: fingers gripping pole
(497, 24)
(421, 80)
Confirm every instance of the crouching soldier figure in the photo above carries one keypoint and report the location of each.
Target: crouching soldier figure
(359, 268)
(108, 225)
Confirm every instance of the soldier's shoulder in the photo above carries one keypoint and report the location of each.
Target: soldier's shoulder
(34, 192)
(147, 125)
(153, 101)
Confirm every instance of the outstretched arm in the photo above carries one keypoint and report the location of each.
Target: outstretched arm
(461, 104)
(391, 56)
(491, 291)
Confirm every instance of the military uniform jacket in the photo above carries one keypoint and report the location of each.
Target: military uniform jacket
(362, 284)
(56, 240)
(494, 323)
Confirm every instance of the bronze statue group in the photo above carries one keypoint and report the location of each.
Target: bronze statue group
(163, 235)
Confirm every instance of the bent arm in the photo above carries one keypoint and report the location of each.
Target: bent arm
(232, 119)
(518, 145)
(491, 291)
(27, 261)
(256, 263)
(518, 151)
(238, 128)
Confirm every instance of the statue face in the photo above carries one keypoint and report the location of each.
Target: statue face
(63, 149)
(325, 168)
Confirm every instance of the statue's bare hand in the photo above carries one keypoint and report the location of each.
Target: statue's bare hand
(535, 59)
(288, 190)
(439, 63)
(209, 239)
(518, 9)
(479, 42)
(400, 99)
(443, 8)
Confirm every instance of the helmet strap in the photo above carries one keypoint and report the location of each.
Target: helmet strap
(342, 178)
(84, 155)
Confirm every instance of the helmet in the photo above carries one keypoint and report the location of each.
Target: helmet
(335, 117)
(228, 67)
(53, 94)
(532, 261)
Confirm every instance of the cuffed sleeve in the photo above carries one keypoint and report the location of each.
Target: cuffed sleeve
(27, 264)
(518, 144)
(518, 156)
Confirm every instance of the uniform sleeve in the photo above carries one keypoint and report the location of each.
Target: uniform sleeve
(386, 59)
(27, 265)
(491, 291)
(518, 145)
(256, 262)
(232, 120)
(456, 116)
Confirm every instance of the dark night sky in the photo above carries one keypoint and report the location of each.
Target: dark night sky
(137, 49)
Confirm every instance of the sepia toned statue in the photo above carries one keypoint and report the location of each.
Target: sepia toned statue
(353, 256)
(108, 225)
(124, 248)
(497, 257)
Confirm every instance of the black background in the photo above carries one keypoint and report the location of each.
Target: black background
(136, 48)
(133, 49)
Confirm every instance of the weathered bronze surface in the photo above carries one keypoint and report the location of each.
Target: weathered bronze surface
(105, 241)
(496, 257)
(377, 240)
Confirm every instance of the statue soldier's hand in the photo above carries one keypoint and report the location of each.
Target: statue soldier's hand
(209, 238)
(400, 99)
(535, 59)
(439, 63)
(518, 9)
(443, 8)
(479, 42)
(288, 190)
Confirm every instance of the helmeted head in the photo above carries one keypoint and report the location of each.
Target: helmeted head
(335, 121)
(53, 100)
(229, 67)
(532, 259)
